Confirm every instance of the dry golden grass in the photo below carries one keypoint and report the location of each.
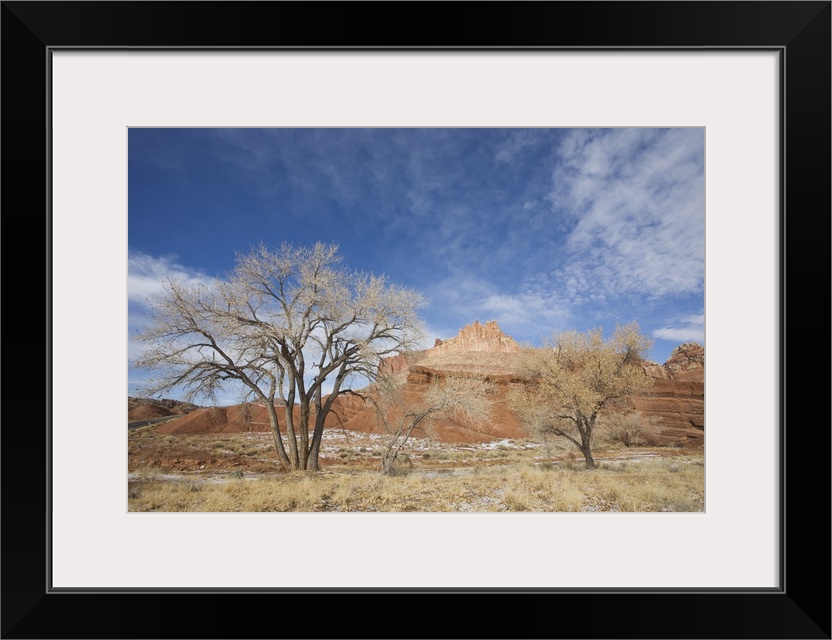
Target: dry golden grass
(239, 472)
(662, 484)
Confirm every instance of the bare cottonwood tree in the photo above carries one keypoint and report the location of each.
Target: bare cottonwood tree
(468, 397)
(282, 324)
(574, 376)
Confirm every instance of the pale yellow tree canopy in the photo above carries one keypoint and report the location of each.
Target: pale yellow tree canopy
(575, 375)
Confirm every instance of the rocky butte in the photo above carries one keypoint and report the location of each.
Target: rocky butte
(675, 400)
(477, 337)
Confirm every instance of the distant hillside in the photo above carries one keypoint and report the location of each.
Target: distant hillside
(149, 408)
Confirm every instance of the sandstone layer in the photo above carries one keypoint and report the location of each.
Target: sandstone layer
(676, 399)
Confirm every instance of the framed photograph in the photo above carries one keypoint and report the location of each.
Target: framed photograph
(754, 77)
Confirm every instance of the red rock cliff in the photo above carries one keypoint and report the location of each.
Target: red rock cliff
(477, 337)
(676, 399)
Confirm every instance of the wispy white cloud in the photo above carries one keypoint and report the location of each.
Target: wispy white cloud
(633, 203)
(144, 280)
(515, 143)
(686, 329)
(146, 274)
(527, 312)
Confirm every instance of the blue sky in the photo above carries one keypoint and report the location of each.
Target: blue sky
(539, 229)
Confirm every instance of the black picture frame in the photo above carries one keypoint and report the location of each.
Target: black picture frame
(799, 31)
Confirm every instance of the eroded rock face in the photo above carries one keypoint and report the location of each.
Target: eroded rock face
(686, 362)
(678, 408)
(676, 399)
(477, 337)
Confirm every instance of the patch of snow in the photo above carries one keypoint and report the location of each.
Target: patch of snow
(504, 443)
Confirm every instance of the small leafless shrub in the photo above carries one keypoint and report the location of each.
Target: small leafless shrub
(631, 428)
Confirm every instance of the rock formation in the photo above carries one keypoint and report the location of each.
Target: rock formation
(675, 401)
(477, 337)
(686, 362)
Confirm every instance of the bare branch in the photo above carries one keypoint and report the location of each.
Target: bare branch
(277, 315)
(454, 396)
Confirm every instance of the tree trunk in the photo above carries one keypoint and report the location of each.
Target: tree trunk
(312, 461)
(289, 407)
(389, 455)
(387, 461)
(317, 436)
(278, 443)
(321, 412)
(590, 463)
(586, 441)
(303, 448)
